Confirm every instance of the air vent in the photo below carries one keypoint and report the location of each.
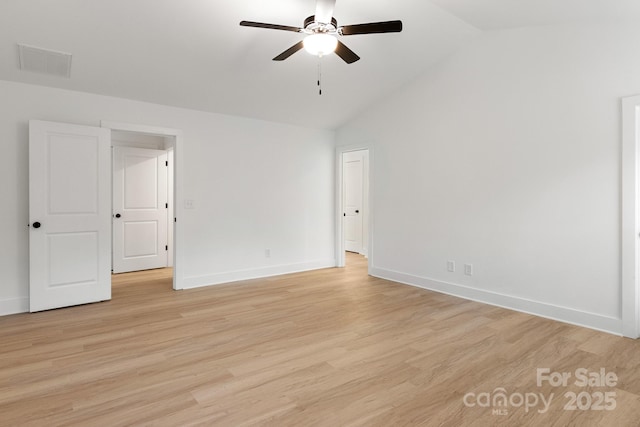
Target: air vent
(44, 61)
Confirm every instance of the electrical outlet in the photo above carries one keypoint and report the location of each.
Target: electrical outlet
(468, 269)
(188, 204)
(267, 253)
(451, 266)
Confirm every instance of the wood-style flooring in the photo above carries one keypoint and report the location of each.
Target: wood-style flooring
(330, 347)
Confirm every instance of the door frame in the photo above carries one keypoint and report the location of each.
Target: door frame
(368, 193)
(630, 222)
(178, 282)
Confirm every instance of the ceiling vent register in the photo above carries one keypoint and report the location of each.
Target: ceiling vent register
(44, 61)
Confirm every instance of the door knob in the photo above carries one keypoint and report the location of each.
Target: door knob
(36, 224)
(357, 211)
(118, 215)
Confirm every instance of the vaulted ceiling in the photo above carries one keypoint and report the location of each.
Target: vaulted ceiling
(193, 53)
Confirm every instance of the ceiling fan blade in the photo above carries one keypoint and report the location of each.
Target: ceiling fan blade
(324, 11)
(372, 27)
(269, 26)
(346, 54)
(287, 53)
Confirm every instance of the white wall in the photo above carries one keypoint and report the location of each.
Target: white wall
(507, 156)
(255, 185)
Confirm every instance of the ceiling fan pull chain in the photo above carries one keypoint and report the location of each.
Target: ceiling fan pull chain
(319, 74)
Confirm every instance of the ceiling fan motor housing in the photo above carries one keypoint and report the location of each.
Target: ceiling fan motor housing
(311, 25)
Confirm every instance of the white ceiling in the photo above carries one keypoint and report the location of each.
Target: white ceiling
(502, 14)
(193, 53)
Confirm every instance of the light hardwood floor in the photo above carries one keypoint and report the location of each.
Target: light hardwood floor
(329, 347)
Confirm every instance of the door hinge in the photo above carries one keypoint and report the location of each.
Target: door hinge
(166, 163)
(166, 205)
(166, 248)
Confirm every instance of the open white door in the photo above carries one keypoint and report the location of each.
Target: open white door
(353, 189)
(140, 209)
(69, 215)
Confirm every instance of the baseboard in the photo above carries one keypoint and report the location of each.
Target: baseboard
(572, 316)
(563, 314)
(14, 306)
(255, 273)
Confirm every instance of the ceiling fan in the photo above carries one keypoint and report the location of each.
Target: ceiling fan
(322, 33)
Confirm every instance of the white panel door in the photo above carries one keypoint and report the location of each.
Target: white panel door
(69, 215)
(139, 209)
(353, 170)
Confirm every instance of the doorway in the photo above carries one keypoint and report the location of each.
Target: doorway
(353, 200)
(142, 205)
(161, 146)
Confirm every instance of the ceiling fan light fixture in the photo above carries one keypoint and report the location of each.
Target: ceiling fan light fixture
(320, 44)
